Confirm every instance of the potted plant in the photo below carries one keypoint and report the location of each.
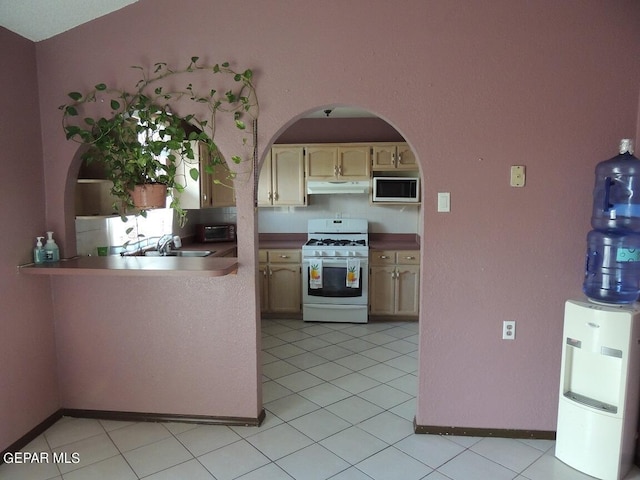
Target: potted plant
(144, 145)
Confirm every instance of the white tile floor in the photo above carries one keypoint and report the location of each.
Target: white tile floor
(340, 401)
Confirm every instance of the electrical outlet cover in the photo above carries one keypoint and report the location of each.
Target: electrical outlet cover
(509, 330)
(517, 176)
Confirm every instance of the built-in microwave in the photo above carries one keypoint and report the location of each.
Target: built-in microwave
(221, 232)
(396, 189)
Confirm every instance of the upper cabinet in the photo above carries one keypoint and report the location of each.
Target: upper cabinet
(281, 179)
(211, 189)
(93, 191)
(393, 156)
(338, 162)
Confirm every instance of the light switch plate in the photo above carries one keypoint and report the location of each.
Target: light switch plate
(444, 201)
(517, 176)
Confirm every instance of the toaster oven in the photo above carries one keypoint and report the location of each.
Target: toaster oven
(221, 232)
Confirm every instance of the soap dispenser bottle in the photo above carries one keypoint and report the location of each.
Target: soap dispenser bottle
(51, 250)
(38, 252)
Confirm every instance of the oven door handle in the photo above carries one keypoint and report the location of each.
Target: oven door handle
(335, 261)
(329, 306)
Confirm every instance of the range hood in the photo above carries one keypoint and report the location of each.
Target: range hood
(327, 187)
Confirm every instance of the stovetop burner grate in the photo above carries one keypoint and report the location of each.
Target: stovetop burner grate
(329, 242)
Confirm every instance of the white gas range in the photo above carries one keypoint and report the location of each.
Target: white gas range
(335, 271)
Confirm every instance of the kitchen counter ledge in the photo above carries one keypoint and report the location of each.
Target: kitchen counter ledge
(137, 266)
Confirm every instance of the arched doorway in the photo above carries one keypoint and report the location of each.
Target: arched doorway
(359, 360)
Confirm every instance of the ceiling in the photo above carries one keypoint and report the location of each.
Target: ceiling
(38, 20)
(41, 19)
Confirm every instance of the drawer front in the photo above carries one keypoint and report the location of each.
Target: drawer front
(285, 256)
(382, 257)
(262, 256)
(408, 257)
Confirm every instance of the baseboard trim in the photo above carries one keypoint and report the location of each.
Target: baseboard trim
(163, 417)
(484, 432)
(130, 417)
(32, 434)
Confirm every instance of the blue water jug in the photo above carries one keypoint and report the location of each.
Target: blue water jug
(616, 195)
(612, 271)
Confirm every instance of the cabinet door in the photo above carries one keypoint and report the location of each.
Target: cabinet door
(383, 157)
(264, 183)
(221, 188)
(195, 193)
(204, 184)
(284, 288)
(381, 290)
(287, 175)
(407, 293)
(321, 162)
(353, 162)
(93, 197)
(263, 270)
(405, 158)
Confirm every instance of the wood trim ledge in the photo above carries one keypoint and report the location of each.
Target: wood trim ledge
(127, 416)
(484, 432)
(163, 417)
(32, 434)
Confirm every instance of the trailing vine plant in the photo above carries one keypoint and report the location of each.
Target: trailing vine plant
(140, 138)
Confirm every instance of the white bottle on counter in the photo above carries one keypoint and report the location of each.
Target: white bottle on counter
(38, 252)
(51, 250)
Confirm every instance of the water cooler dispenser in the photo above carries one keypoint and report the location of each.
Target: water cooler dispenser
(599, 388)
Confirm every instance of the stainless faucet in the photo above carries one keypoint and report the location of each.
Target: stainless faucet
(136, 248)
(166, 241)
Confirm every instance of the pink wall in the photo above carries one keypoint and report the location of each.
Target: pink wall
(28, 380)
(473, 86)
(160, 345)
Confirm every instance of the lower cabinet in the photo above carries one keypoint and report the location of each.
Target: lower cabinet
(280, 281)
(394, 282)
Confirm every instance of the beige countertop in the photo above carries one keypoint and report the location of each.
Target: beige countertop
(394, 241)
(137, 266)
(215, 265)
(269, 241)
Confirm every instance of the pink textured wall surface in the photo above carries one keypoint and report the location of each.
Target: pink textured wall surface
(474, 87)
(156, 345)
(28, 377)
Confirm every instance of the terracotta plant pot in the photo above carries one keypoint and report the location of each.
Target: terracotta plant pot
(153, 195)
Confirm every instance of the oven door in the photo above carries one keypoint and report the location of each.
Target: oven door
(334, 290)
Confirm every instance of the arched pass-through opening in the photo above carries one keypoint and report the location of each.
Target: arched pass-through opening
(94, 222)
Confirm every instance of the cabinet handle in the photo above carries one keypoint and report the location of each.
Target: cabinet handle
(393, 159)
(284, 256)
(409, 258)
(270, 196)
(335, 170)
(276, 196)
(340, 170)
(383, 257)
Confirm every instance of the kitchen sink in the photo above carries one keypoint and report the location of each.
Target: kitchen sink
(180, 253)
